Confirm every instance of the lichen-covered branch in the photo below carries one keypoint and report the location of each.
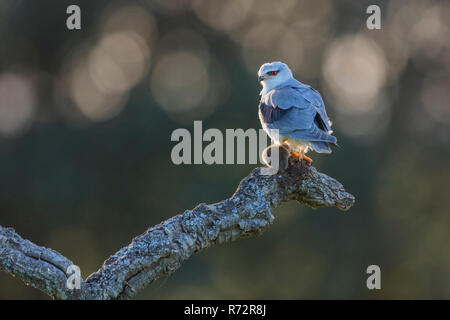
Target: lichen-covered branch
(40, 267)
(162, 249)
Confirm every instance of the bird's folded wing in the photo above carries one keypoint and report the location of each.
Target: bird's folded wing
(313, 134)
(292, 108)
(315, 99)
(293, 112)
(290, 125)
(286, 120)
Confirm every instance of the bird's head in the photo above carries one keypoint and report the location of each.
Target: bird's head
(272, 74)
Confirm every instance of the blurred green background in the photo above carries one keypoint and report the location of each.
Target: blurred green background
(86, 118)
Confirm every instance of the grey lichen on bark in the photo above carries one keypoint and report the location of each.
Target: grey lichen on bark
(161, 249)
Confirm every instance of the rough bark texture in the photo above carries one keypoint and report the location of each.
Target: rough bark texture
(162, 249)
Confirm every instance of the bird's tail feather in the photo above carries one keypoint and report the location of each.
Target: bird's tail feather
(321, 147)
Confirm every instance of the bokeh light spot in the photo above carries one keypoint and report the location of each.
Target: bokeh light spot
(179, 81)
(354, 72)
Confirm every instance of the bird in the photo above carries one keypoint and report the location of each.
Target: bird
(293, 113)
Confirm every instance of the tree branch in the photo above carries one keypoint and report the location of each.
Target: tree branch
(162, 249)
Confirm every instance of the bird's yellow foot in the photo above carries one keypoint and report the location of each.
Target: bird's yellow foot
(301, 156)
(302, 153)
(307, 158)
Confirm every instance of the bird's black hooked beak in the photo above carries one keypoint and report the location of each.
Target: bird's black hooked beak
(260, 78)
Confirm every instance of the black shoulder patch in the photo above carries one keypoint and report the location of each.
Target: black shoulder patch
(270, 114)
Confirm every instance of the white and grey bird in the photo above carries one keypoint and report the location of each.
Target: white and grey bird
(293, 113)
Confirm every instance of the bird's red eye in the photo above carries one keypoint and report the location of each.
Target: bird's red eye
(273, 73)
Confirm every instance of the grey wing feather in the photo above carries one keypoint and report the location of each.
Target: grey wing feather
(314, 97)
(321, 147)
(313, 134)
(297, 112)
